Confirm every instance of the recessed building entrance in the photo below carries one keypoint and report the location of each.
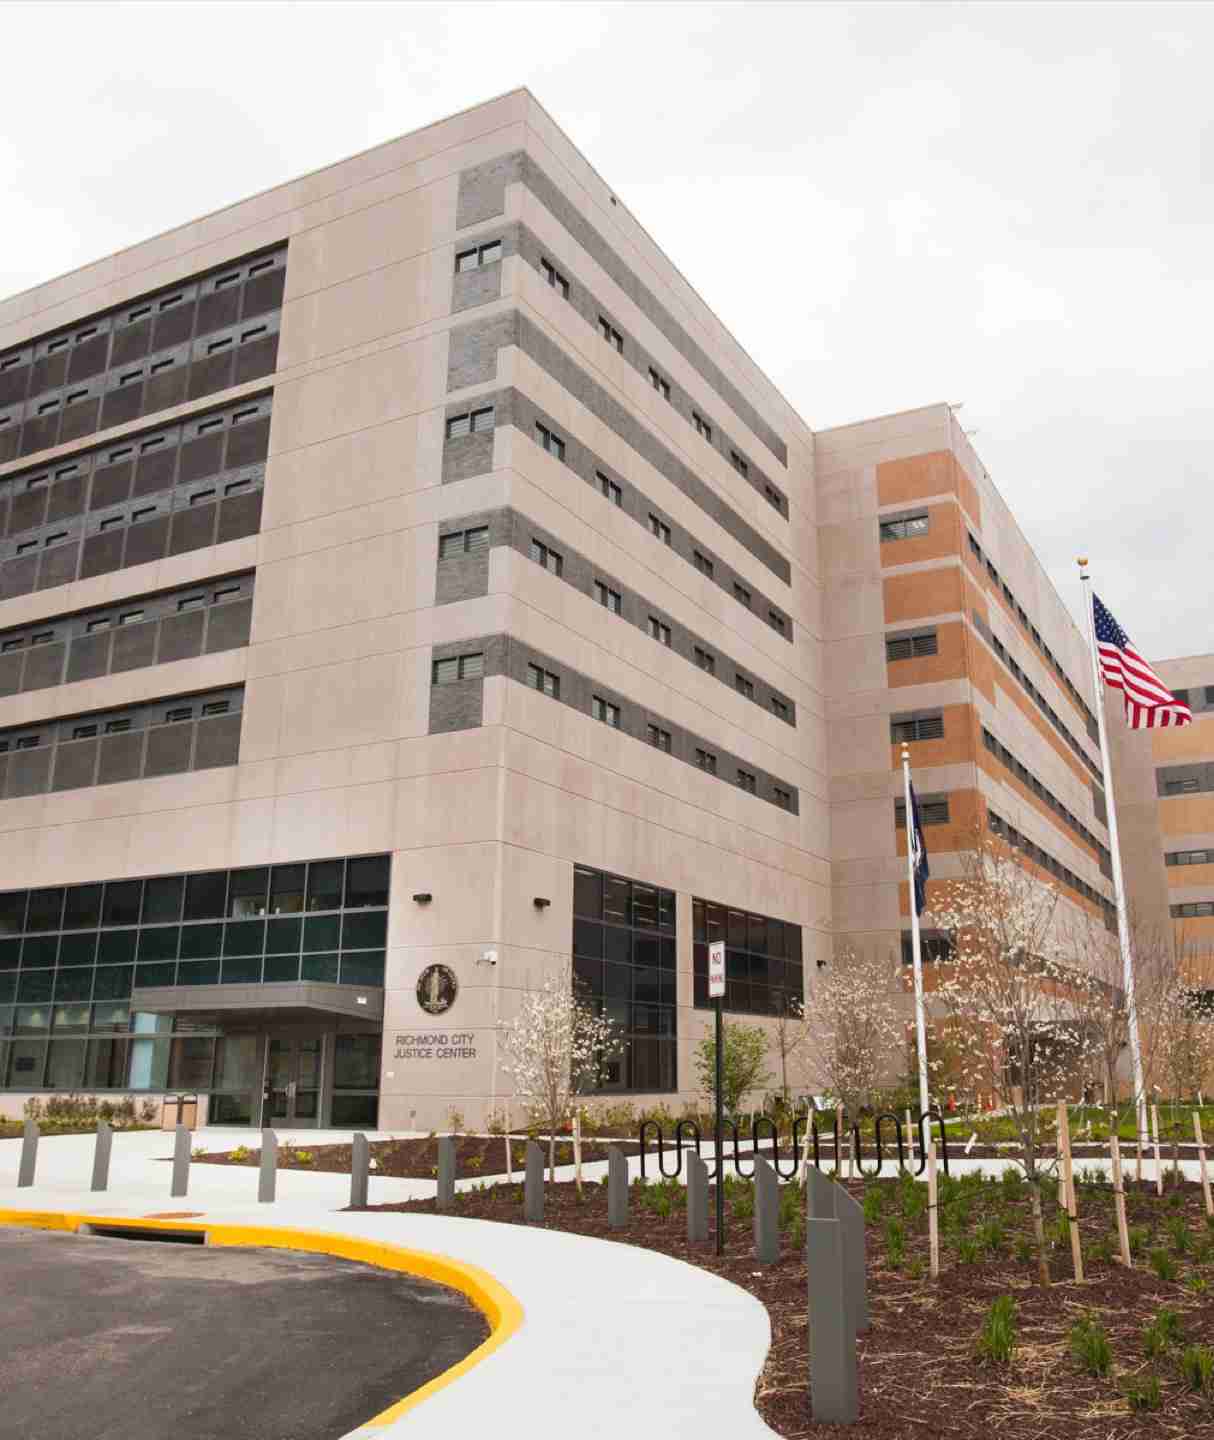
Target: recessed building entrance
(295, 1070)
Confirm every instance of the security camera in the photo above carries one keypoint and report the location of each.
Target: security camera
(489, 957)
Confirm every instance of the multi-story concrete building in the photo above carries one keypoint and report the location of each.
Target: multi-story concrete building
(408, 586)
(943, 632)
(1164, 785)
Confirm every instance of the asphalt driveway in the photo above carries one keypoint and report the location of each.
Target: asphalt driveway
(113, 1339)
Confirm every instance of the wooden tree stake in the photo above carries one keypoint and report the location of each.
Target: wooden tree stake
(1201, 1161)
(1155, 1142)
(1123, 1232)
(577, 1149)
(1068, 1187)
(933, 1212)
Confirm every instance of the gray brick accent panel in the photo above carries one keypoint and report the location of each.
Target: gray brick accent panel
(459, 706)
(463, 577)
(468, 354)
(482, 195)
(467, 456)
(478, 287)
(472, 349)
(512, 407)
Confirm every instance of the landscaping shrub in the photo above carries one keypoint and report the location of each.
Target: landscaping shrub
(997, 1339)
(1163, 1264)
(1143, 1392)
(1197, 1367)
(895, 1242)
(1090, 1346)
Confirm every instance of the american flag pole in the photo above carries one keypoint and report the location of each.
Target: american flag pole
(916, 956)
(1123, 928)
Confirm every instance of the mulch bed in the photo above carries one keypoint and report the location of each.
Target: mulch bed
(919, 1372)
(476, 1156)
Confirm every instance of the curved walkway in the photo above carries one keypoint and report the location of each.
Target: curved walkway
(614, 1340)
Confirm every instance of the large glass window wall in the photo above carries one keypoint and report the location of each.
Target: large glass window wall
(764, 972)
(71, 956)
(624, 959)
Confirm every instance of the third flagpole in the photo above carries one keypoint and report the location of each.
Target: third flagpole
(916, 957)
(1123, 927)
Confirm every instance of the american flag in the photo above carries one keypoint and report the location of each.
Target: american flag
(1148, 701)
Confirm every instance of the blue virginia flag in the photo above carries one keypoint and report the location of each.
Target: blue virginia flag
(918, 855)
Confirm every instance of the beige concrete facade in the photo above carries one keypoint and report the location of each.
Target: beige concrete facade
(482, 267)
(1006, 740)
(337, 755)
(1164, 784)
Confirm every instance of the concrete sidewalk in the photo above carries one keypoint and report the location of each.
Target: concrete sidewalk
(614, 1338)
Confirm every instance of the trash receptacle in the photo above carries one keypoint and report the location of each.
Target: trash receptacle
(179, 1110)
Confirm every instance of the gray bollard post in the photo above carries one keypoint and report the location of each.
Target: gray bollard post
(29, 1154)
(101, 1156)
(855, 1276)
(267, 1175)
(445, 1198)
(697, 1200)
(819, 1194)
(533, 1185)
(827, 1201)
(181, 1163)
(767, 1213)
(833, 1387)
(360, 1169)
(617, 1188)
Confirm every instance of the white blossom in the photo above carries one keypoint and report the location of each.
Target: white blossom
(554, 1049)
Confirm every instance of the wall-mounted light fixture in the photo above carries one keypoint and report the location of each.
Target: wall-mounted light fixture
(541, 902)
(423, 897)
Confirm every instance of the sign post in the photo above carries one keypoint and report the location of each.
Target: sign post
(716, 993)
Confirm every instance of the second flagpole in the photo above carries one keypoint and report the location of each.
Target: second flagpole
(1123, 926)
(916, 957)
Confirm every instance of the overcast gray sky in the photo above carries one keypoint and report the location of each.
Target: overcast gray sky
(1010, 206)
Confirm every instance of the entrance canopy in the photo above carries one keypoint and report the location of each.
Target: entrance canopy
(266, 1003)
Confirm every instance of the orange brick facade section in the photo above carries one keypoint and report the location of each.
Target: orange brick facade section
(947, 664)
(925, 592)
(914, 477)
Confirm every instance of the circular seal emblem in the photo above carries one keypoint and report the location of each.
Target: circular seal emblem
(437, 988)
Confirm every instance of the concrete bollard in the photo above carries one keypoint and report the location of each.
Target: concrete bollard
(181, 1163)
(617, 1188)
(101, 1156)
(767, 1213)
(827, 1201)
(29, 1154)
(533, 1185)
(360, 1168)
(445, 1197)
(697, 1200)
(267, 1175)
(819, 1195)
(855, 1272)
(833, 1386)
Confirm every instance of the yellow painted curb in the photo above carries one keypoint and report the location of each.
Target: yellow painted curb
(491, 1298)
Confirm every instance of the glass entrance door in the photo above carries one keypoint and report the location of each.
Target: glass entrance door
(294, 1067)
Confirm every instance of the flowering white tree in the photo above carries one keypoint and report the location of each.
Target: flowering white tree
(1102, 1004)
(555, 1048)
(1181, 1041)
(854, 1027)
(1017, 1007)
